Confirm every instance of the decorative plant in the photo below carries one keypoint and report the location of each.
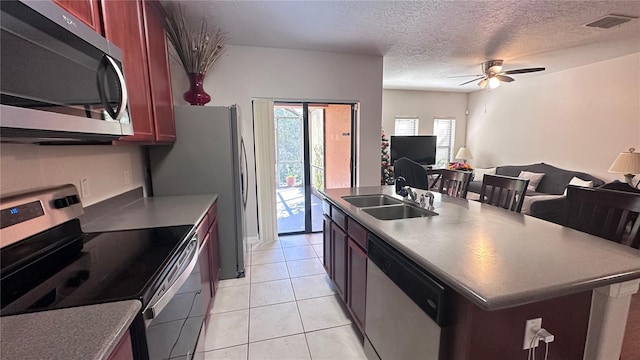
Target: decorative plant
(386, 177)
(197, 49)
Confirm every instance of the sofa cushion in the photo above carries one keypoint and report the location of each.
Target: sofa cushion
(478, 174)
(578, 182)
(555, 179)
(534, 179)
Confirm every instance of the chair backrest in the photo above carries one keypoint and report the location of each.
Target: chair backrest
(414, 173)
(503, 191)
(610, 214)
(455, 183)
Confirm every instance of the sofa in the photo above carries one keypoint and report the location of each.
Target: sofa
(547, 201)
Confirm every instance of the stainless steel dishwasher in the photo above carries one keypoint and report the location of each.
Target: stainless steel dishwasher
(406, 306)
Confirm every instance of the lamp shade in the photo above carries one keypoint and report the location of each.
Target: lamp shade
(464, 154)
(626, 163)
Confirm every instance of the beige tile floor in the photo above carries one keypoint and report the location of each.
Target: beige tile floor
(285, 308)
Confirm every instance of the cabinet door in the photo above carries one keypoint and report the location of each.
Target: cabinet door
(326, 243)
(339, 263)
(357, 283)
(86, 11)
(204, 260)
(123, 25)
(159, 75)
(215, 254)
(124, 349)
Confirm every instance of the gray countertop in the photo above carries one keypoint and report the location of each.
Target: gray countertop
(86, 332)
(154, 212)
(497, 258)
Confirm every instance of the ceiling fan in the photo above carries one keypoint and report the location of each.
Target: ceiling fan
(493, 74)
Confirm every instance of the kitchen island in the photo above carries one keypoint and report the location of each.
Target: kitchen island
(507, 267)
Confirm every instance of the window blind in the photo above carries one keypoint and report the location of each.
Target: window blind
(445, 130)
(406, 127)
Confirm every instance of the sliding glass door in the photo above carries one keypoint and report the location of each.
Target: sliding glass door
(314, 145)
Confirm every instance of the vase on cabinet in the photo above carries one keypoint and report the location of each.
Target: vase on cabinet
(196, 94)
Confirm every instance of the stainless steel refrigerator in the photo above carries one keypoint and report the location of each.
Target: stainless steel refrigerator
(208, 157)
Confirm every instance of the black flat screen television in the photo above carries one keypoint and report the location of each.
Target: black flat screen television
(419, 148)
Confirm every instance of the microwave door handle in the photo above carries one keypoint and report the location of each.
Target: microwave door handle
(101, 88)
(124, 96)
(152, 310)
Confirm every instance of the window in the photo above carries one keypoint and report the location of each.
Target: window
(445, 130)
(406, 126)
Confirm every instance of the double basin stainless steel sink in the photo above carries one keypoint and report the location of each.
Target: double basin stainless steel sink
(384, 207)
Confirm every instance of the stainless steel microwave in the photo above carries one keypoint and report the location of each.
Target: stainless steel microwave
(59, 80)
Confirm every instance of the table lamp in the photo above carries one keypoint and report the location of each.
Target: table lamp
(627, 163)
(464, 154)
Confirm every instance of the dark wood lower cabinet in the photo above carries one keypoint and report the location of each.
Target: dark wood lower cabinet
(214, 254)
(124, 349)
(345, 260)
(206, 282)
(326, 243)
(339, 263)
(357, 283)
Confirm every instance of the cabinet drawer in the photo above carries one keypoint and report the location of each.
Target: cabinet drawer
(339, 217)
(326, 207)
(357, 233)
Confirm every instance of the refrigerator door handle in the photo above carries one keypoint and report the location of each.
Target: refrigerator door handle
(243, 174)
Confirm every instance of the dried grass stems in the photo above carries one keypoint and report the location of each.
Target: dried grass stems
(197, 50)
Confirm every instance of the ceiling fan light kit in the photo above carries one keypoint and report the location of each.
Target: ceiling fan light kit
(493, 74)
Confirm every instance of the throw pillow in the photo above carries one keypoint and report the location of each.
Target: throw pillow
(579, 182)
(534, 179)
(478, 174)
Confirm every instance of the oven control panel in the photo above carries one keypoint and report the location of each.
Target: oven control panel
(28, 213)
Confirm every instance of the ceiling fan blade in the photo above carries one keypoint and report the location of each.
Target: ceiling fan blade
(459, 76)
(483, 83)
(470, 81)
(504, 78)
(522, 71)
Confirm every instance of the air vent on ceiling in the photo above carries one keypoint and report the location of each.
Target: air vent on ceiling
(609, 21)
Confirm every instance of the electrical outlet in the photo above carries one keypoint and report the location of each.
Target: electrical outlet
(531, 327)
(127, 177)
(84, 188)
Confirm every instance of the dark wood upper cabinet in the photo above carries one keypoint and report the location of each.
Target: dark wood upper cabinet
(159, 73)
(124, 26)
(136, 27)
(87, 11)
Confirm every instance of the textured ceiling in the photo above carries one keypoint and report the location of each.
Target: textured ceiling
(424, 43)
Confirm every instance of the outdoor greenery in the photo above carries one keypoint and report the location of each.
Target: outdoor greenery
(288, 127)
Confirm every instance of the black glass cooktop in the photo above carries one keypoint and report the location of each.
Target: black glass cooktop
(94, 268)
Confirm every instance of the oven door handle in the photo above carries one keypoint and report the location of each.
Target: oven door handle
(153, 309)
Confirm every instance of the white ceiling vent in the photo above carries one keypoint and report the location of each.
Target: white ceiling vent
(609, 21)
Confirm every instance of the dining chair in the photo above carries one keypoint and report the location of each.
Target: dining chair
(609, 214)
(504, 191)
(454, 183)
(414, 174)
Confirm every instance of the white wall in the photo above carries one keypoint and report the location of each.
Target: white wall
(24, 167)
(246, 73)
(426, 105)
(577, 119)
